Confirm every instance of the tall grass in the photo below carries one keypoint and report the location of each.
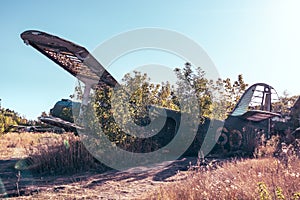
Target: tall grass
(67, 154)
(266, 177)
(48, 153)
(16, 145)
(261, 178)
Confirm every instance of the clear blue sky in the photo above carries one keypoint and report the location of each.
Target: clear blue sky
(257, 38)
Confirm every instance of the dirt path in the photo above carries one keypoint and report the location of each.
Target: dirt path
(130, 184)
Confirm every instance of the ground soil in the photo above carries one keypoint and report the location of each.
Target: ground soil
(135, 183)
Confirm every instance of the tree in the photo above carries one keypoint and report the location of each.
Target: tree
(193, 82)
(8, 119)
(119, 112)
(284, 104)
(215, 99)
(233, 92)
(131, 100)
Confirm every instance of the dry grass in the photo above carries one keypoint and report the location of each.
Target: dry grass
(265, 177)
(16, 145)
(247, 179)
(48, 153)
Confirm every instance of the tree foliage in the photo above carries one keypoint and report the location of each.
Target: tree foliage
(284, 104)
(125, 109)
(215, 99)
(9, 118)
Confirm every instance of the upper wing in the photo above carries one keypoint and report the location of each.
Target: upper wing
(73, 58)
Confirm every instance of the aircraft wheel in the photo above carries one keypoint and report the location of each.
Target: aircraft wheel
(221, 136)
(235, 139)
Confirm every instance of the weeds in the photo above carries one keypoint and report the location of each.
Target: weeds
(48, 153)
(17, 183)
(279, 193)
(64, 155)
(245, 179)
(266, 177)
(268, 148)
(263, 191)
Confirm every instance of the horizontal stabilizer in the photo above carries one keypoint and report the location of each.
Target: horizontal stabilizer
(258, 115)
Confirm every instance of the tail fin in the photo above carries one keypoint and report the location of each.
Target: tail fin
(255, 104)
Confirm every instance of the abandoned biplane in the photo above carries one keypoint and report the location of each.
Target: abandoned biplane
(238, 133)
